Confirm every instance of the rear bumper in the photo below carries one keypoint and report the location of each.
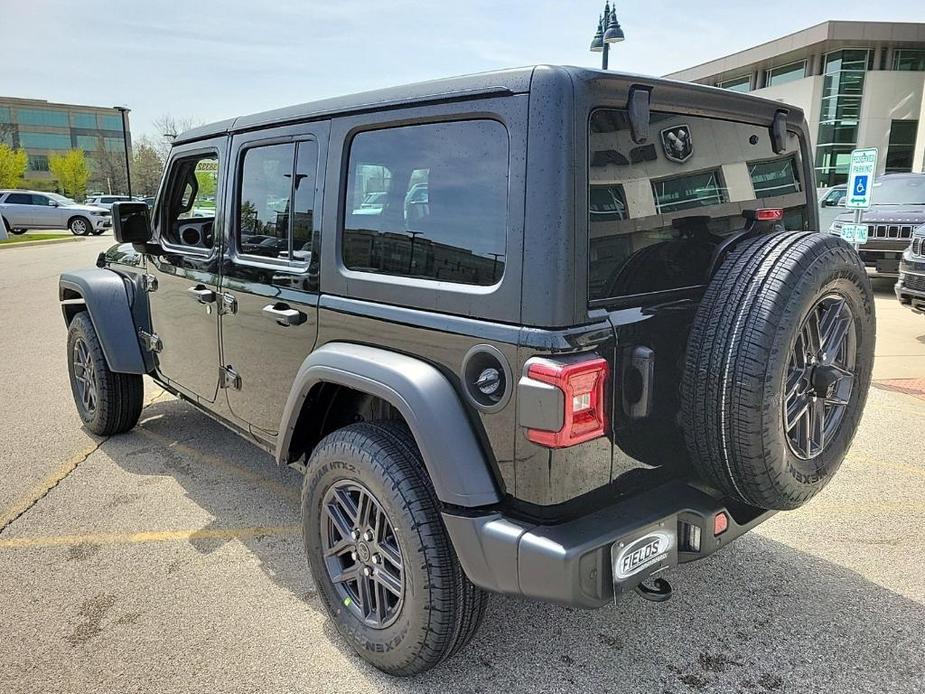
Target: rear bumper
(570, 563)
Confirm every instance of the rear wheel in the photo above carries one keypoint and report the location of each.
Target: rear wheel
(778, 366)
(379, 553)
(108, 403)
(79, 226)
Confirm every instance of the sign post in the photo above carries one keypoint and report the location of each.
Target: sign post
(861, 174)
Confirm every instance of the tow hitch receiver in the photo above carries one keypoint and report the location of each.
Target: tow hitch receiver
(659, 592)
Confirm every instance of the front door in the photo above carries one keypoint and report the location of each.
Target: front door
(271, 268)
(186, 301)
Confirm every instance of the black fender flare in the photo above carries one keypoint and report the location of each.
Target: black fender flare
(108, 298)
(455, 461)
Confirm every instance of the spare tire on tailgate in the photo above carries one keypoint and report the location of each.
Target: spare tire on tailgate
(778, 365)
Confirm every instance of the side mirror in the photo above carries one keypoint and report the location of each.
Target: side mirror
(131, 222)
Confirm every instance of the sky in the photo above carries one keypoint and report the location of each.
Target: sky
(212, 59)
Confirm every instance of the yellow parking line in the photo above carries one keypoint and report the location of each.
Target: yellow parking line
(204, 458)
(153, 536)
(24, 502)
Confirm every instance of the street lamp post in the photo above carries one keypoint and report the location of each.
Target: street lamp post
(128, 173)
(608, 31)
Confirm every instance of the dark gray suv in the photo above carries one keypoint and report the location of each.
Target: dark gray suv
(548, 332)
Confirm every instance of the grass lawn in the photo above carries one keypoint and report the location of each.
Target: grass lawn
(28, 236)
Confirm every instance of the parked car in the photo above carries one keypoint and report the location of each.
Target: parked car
(106, 201)
(514, 394)
(831, 204)
(898, 207)
(910, 286)
(28, 209)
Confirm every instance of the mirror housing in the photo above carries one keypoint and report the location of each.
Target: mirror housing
(131, 222)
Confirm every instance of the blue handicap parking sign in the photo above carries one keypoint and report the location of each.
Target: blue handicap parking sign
(860, 185)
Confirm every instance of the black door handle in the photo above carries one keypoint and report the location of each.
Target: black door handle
(202, 294)
(283, 314)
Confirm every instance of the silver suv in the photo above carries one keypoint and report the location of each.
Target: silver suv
(106, 201)
(29, 209)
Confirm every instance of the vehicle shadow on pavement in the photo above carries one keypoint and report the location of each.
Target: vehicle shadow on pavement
(759, 616)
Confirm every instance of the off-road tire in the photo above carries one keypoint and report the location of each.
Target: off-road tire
(79, 226)
(739, 347)
(119, 397)
(441, 608)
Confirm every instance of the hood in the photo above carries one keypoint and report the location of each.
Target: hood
(87, 208)
(887, 214)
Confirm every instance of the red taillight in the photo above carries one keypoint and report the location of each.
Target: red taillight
(582, 386)
(769, 214)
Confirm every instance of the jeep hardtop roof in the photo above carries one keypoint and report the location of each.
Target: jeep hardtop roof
(498, 82)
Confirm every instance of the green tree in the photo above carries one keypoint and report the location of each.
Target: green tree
(72, 172)
(13, 163)
(147, 168)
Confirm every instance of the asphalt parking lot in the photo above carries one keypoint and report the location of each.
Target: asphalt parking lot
(169, 559)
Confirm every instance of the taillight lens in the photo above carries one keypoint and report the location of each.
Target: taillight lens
(582, 386)
(769, 214)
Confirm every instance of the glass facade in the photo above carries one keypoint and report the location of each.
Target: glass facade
(840, 113)
(786, 73)
(909, 60)
(88, 143)
(739, 84)
(84, 120)
(901, 150)
(44, 140)
(111, 122)
(41, 116)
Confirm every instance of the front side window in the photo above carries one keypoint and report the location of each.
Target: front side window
(190, 209)
(658, 210)
(277, 198)
(429, 201)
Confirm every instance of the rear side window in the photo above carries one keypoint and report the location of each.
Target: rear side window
(658, 210)
(19, 199)
(429, 201)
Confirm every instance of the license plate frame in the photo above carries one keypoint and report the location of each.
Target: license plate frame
(641, 554)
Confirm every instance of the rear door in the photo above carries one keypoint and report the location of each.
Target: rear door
(271, 267)
(17, 210)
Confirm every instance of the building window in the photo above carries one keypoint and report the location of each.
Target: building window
(112, 122)
(44, 140)
(840, 113)
(607, 202)
(88, 143)
(38, 162)
(113, 144)
(900, 152)
(739, 84)
(84, 120)
(429, 201)
(775, 177)
(909, 60)
(702, 189)
(5, 114)
(46, 117)
(786, 73)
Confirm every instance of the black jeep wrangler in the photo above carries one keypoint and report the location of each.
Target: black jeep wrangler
(547, 332)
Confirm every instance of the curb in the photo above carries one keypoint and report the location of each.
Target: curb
(20, 244)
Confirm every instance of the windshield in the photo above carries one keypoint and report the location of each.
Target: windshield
(60, 199)
(657, 210)
(908, 190)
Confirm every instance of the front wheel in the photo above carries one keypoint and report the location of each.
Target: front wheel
(108, 403)
(79, 226)
(379, 553)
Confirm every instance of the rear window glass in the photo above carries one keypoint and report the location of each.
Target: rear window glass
(429, 201)
(658, 210)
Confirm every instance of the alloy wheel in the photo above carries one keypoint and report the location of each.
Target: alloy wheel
(85, 376)
(361, 554)
(820, 376)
